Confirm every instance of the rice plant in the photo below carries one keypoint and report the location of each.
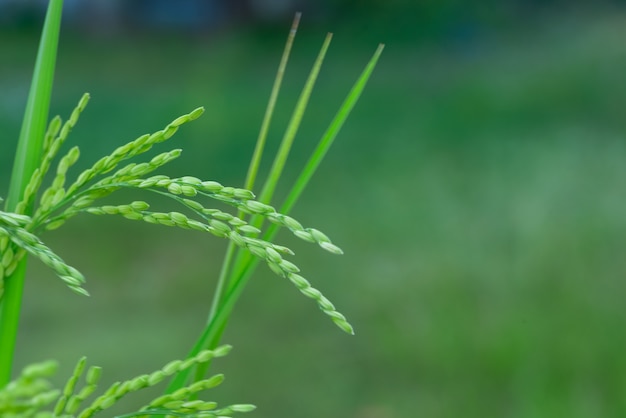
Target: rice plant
(232, 213)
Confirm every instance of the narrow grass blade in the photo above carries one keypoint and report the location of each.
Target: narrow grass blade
(277, 166)
(27, 158)
(269, 111)
(279, 160)
(34, 123)
(330, 134)
(212, 333)
(247, 263)
(292, 127)
(256, 159)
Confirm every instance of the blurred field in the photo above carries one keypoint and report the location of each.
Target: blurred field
(477, 190)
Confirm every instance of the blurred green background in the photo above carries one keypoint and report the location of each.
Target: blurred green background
(477, 190)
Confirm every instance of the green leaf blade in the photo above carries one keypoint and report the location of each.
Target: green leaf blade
(27, 159)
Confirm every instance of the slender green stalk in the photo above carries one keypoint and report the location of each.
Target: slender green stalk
(330, 134)
(269, 111)
(292, 128)
(280, 159)
(212, 333)
(221, 281)
(275, 172)
(256, 159)
(27, 159)
(247, 263)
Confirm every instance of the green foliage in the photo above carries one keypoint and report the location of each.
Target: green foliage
(58, 204)
(31, 392)
(30, 211)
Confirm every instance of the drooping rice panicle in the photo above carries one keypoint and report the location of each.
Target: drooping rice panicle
(29, 392)
(241, 199)
(14, 219)
(74, 401)
(181, 395)
(53, 141)
(102, 188)
(27, 241)
(70, 385)
(134, 171)
(54, 194)
(120, 389)
(10, 254)
(183, 189)
(132, 149)
(260, 248)
(25, 396)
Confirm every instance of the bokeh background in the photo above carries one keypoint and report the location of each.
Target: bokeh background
(478, 191)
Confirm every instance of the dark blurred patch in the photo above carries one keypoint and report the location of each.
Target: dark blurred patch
(396, 19)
